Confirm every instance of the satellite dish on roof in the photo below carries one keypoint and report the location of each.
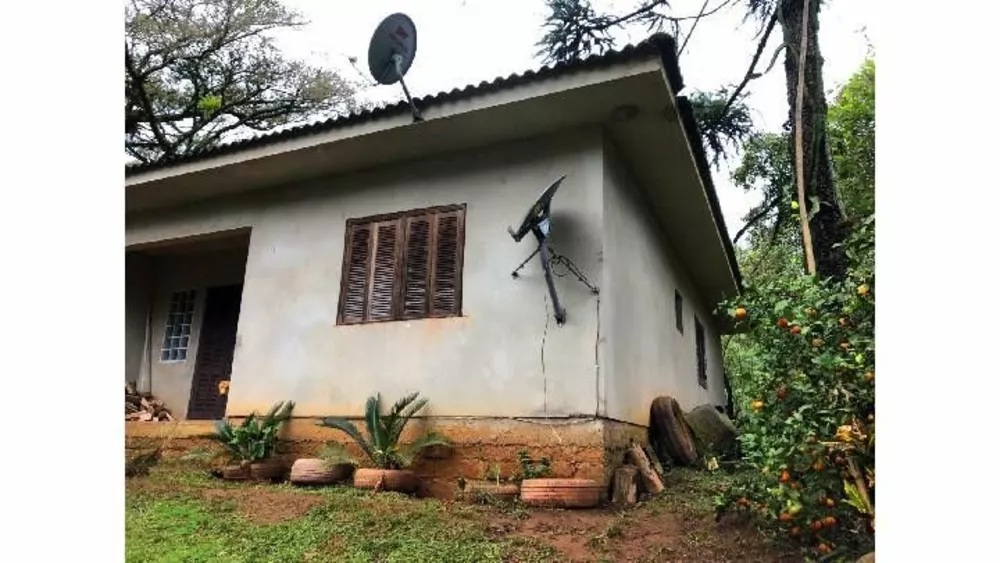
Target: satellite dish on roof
(538, 221)
(391, 52)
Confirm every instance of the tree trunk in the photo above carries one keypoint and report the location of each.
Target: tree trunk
(828, 224)
(625, 486)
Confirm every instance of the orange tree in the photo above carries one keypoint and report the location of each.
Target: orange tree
(803, 375)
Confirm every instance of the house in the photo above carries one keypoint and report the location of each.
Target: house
(370, 253)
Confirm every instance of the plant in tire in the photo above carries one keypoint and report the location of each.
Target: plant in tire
(256, 438)
(802, 371)
(381, 446)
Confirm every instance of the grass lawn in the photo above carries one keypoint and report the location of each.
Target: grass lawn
(180, 513)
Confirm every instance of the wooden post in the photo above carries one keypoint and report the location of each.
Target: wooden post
(625, 486)
(650, 479)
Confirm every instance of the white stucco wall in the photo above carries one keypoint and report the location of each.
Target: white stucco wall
(489, 361)
(646, 355)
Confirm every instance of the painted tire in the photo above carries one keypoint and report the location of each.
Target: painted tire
(267, 471)
(561, 493)
(505, 492)
(235, 473)
(308, 471)
(401, 480)
(668, 427)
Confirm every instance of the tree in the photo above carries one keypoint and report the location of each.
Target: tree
(199, 71)
(574, 28)
(852, 142)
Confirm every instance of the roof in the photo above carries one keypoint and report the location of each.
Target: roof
(659, 44)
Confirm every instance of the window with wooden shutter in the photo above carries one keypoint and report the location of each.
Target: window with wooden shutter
(404, 265)
(699, 345)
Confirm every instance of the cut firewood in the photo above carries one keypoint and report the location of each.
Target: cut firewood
(129, 388)
(653, 460)
(625, 486)
(650, 479)
(145, 407)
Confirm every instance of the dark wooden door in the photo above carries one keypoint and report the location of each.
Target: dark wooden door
(215, 352)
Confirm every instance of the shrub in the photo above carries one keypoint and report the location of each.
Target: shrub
(384, 430)
(802, 372)
(256, 438)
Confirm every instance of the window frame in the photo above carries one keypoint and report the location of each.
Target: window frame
(188, 297)
(401, 261)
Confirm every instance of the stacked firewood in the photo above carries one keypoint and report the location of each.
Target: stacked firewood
(144, 407)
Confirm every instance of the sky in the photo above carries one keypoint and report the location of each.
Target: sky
(463, 42)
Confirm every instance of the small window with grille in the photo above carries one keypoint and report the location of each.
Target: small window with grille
(177, 334)
(403, 266)
(699, 343)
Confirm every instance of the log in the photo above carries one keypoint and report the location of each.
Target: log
(129, 388)
(650, 479)
(145, 416)
(653, 460)
(625, 486)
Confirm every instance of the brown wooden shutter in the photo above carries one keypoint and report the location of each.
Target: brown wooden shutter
(354, 301)
(446, 280)
(416, 278)
(383, 282)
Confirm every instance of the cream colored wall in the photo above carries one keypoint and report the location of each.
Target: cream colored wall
(489, 361)
(646, 355)
(171, 381)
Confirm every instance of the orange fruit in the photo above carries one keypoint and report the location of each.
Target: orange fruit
(830, 502)
(785, 517)
(783, 322)
(818, 466)
(743, 501)
(863, 289)
(829, 521)
(794, 531)
(757, 405)
(845, 345)
(784, 477)
(740, 314)
(871, 418)
(870, 376)
(796, 485)
(817, 342)
(842, 321)
(815, 525)
(796, 329)
(811, 312)
(823, 548)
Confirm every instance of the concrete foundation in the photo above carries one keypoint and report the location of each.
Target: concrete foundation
(586, 447)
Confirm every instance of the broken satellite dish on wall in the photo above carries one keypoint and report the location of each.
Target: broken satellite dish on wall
(538, 221)
(391, 52)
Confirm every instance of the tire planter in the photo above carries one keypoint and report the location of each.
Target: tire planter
(310, 471)
(476, 490)
(561, 493)
(400, 480)
(236, 472)
(670, 430)
(269, 470)
(712, 429)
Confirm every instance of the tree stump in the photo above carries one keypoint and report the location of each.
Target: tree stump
(625, 486)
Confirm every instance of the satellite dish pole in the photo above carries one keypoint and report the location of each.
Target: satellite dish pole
(538, 221)
(391, 52)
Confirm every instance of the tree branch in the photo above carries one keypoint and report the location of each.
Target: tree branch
(140, 89)
(694, 25)
(753, 63)
(757, 217)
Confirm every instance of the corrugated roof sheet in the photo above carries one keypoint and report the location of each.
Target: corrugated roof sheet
(660, 44)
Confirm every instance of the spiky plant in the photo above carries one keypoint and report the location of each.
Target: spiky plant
(381, 446)
(256, 438)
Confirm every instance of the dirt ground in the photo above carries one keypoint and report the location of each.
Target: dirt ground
(668, 528)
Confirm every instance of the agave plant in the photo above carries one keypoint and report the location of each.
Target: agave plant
(382, 444)
(256, 438)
